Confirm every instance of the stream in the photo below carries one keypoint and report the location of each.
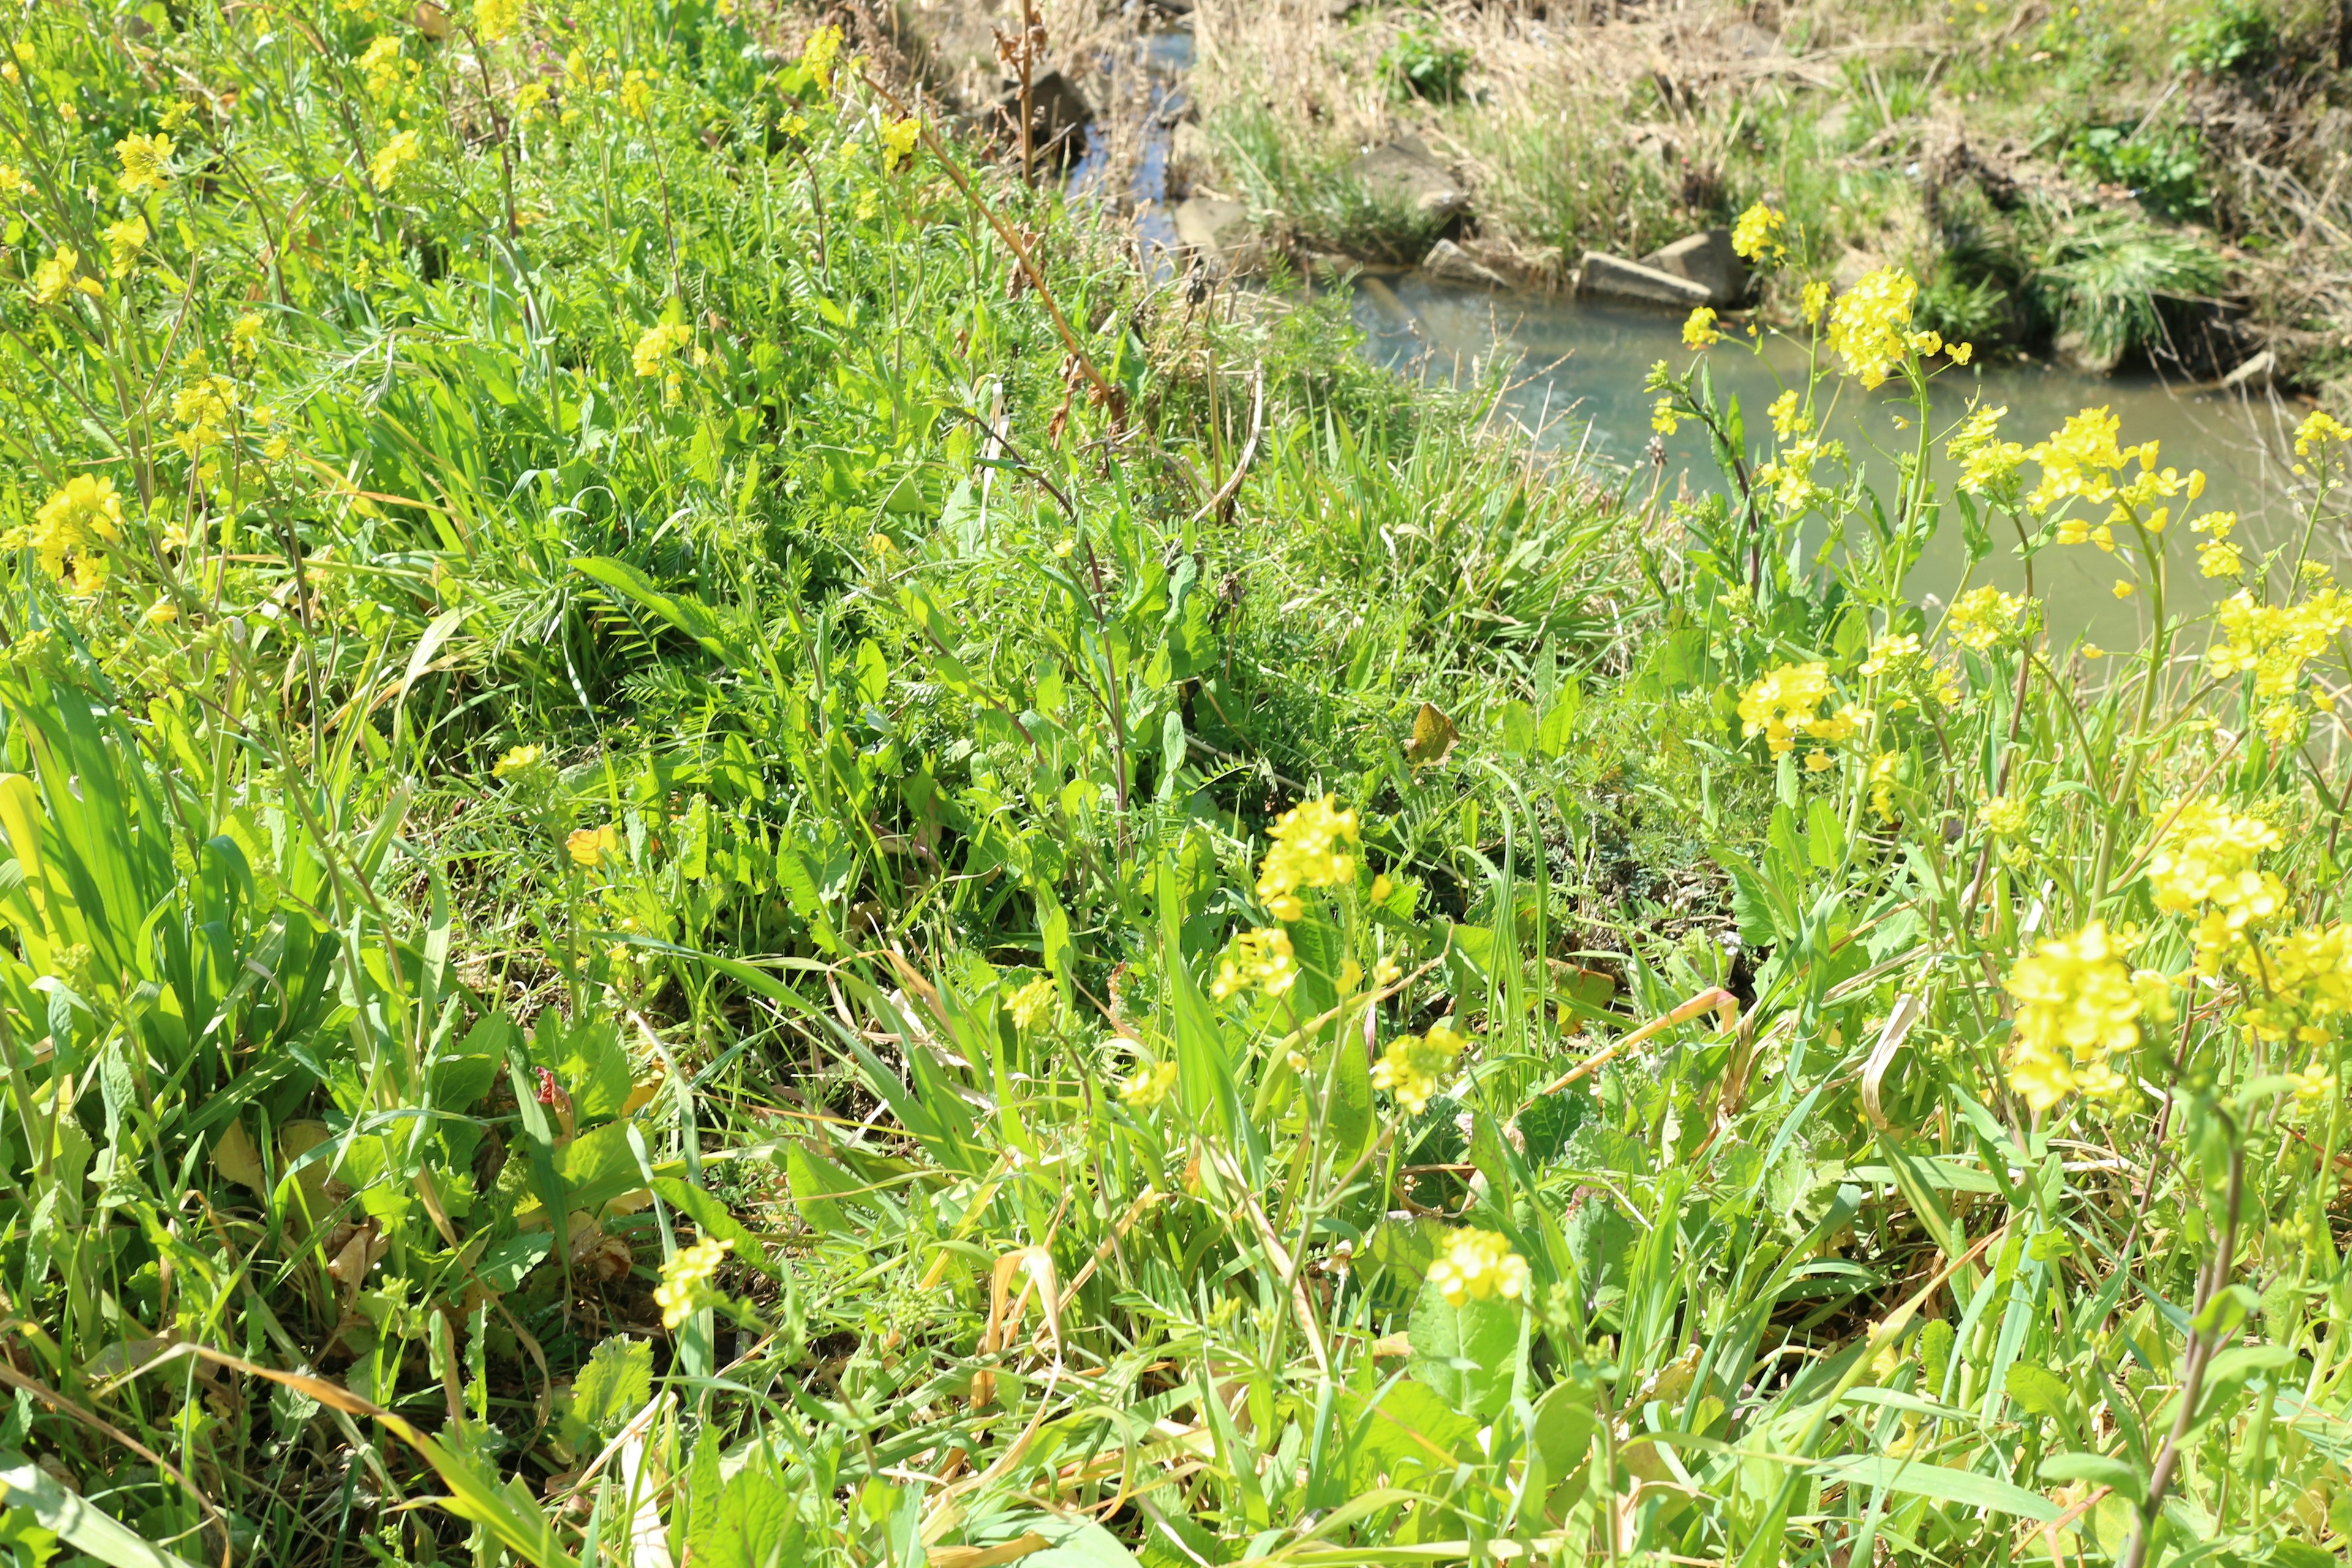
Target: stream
(1572, 371)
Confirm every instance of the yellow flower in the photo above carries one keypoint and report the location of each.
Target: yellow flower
(1819, 762)
(658, 345)
(123, 242)
(2219, 558)
(394, 156)
(1869, 325)
(1816, 299)
(530, 99)
(818, 54)
(2007, 817)
(2274, 642)
(146, 163)
(2078, 1007)
(1662, 417)
(1778, 705)
(1412, 1065)
(162, 613)
(1787, 419)
(381, 64)
(1148, 1086)
(2124, 590)
(1961, 352)
(1882, 769)
(1985, 615)
(1478, 1264)
(636, 94)
(684, 1288)
(1306, 854)
(60, 275)
(1033, 1002)
(521, 759)
(2319, 427)
(2092, 650)
(1985, 459)
(1756, 235)
(1699, 330)
(2204, 863)
(591, 847)
(494, 19)
(72, 531)
(899, 138)
(1259, 959)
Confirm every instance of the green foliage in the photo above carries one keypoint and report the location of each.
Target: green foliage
(2105, 277)
(1420, 63)
(2225, 36)
(2163, 167)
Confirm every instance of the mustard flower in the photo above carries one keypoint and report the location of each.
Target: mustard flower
(1757, 233)
(124, 240)
(521, 759)
(2306, 981)
(636, 94)
(495, 19)
(684, 1288)
(1787, 419)
(394, 156)
(2078, 1007)
(658, 345)
(2318, 428)
(817, 56)
(1305, 853)
(899, 138)
(1699, 330)
(529, 100)
(2203, 863)
(1790, 475)
(1148, 1086)
(1478, 1266)
(60, 275)
(1883, 768)
(1870, 322)
(591, 847)
(1664, 417)
(2274, 642)
(1033, 1003)
(1816, 299)
(73, 530)
(1260, 959)
(1986, 461)
(146, 163)
(1778, 705)
(1985, 615)
(13, 181)
(381, 64)
(2006, 818)
(1415, 1065)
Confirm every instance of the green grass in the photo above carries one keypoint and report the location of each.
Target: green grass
(650, 686)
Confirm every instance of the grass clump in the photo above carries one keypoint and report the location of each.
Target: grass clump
(716, 849)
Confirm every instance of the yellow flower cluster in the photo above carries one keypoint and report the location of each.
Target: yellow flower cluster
(1664, 418)
(1870, 324)
(521, 759)
(201, 408)
(684, 1288)
(2078, 1008)
(2318, 428)
(1986, 461)
(381, 65)
(2217, 557)
(1415, 1065)
(394, 155)
(2081, 459)
(1148, 1086)
(71, 533)
(1699, 330)
(2204, 863)
(1306, 854)
(2006, 818)
(1883, 770)
(1790, 474)
(1816, 300)
(494, 19)
(1788, 419)
(2307, 979)
(146, 163)
(1757, 233)
(899, 138)
(1033, 1003)
(1479, 1266)
(1260, 959)
(1985, 615)
(1779, 705)
(817, 56)
(60, 275)
(124, 240)
(1902, 665)
(2274, 642)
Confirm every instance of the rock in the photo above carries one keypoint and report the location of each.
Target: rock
(1219, 233)
(1617, 277)
(1707, 259)
(1059, 114)
(1402, 172)
(2075, 353)
(2252, 376)
(1450, 261)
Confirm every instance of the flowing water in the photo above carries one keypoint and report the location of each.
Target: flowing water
(1572, 372)
(1574, 368)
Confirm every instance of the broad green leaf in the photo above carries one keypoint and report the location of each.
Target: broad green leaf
(614, 1385)
(1940, 1483)
(25, 1485)
(1468, 1354)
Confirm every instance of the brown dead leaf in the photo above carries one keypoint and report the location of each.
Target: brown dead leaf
(1433, 737)
(1011, 1550)
(237, 1160)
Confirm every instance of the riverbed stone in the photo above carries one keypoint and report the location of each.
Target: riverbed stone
(1450, 261)
(1219, 233)
(1705, 258)
(1613, 276)
(1404, 172)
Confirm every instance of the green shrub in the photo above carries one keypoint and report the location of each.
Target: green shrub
(2105, 277)
(2164, 168)
(2230, 36)
(1421, 64)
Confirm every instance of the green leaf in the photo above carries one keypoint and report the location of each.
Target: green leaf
(25, 1485)
(614, 1385)
(2099, 1469)
(1467, 1354)
(503, 1267)
(2037, 1390)
(688, 615)
(711, 1218)
(1518, 727)
(1411, 1431)
(754, 1523)
(814, 1180)
(1937, 1482)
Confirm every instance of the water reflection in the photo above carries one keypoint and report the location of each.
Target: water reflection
(1576, 382)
